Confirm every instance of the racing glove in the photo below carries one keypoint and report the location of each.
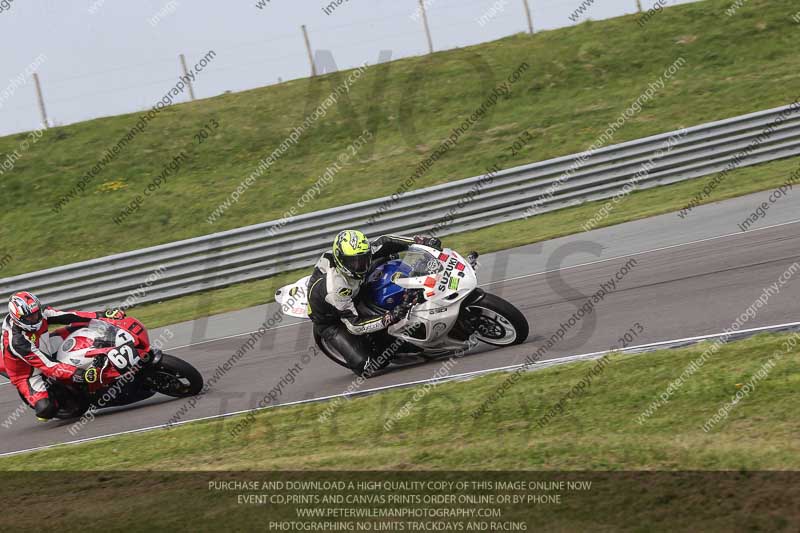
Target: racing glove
(394, 316)
(401, 311)
(88, 375)
(472, 259)
(115, 314)
(433, 242)
(100, 363)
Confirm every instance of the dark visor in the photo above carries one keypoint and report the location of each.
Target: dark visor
(31, 319)
(357, 264)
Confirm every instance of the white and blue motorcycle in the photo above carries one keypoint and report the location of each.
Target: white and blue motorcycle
(451, 315)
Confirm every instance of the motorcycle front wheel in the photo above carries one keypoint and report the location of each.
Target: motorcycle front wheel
(175, 377)
(496, 321)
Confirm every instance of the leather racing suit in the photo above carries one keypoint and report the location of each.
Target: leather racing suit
(29, 356)
(332, 301)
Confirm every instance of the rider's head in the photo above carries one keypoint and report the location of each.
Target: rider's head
(352, 253)
(25, 310)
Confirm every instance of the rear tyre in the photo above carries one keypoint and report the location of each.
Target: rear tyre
(175, 377)
(497, 322)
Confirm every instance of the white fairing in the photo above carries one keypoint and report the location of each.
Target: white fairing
(74, 348)
(294, 298)
(445, 284)
(439, 312)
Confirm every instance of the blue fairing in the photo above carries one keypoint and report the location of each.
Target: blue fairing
(380, 287)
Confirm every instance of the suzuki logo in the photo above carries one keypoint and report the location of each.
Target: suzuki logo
(448, 272)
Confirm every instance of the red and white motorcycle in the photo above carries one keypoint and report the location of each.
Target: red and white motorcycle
(125, 344)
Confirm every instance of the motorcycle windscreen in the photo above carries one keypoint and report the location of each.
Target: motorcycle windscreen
(294, 298)
(103, 333)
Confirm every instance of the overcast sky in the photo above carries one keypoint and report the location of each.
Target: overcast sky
(116, 60)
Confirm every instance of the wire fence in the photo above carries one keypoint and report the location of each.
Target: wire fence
(431, 24)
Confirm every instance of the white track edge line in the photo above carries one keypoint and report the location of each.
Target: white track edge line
(473, 373)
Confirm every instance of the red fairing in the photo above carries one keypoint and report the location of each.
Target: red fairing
(109, 373)
(135, 328)
(81, 343)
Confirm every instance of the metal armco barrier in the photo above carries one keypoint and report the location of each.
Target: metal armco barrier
(251, 253)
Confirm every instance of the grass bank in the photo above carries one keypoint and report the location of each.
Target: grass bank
(599, 438)
(579, 79)
(599, 429)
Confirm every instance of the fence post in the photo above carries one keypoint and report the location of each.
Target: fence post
(425, 24)
(188, 80)
(308, 49)
(528, 14)
(40, 98)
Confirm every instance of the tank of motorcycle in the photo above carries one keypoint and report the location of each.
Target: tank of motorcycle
(381, 288)
(443, 275)
(293, 298)
(98, 334)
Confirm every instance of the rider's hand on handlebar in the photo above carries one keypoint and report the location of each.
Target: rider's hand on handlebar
(400, 312)
(410, 298)
(433, 242)
(392, 317)
(115, 314)
(395, 315)
(89, 375)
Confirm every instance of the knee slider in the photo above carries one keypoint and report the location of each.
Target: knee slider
(45, 408)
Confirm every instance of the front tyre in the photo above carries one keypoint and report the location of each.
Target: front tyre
(175, 377)
(496, 321)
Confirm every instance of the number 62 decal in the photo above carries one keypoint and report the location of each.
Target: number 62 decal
(123, 356)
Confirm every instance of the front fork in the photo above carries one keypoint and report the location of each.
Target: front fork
(465, 325)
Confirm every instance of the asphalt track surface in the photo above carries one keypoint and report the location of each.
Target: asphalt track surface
(692, 276)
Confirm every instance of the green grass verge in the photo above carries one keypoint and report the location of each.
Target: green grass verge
(598, 429)
(203, 304)
(637, 205)
(580, 79)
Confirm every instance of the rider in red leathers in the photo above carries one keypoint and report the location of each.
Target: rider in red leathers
(29, 349)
